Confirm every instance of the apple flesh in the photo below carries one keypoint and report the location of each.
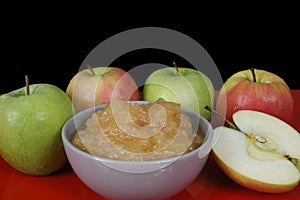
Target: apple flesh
(30, 128)
(189, 87)
(258, 90)
(90, 88)
(263, 155)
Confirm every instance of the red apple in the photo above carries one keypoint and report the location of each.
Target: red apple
(95, 86)
(257, 90)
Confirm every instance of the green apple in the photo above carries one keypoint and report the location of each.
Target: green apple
(261, 152)
(30, 128)
(187, 86)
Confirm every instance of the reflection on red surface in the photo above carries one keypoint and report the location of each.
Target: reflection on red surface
(64, 184)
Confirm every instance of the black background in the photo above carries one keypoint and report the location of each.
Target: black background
(49, 43)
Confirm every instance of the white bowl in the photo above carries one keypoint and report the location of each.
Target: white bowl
(115, 179)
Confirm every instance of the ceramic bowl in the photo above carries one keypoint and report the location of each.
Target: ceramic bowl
(155, 179)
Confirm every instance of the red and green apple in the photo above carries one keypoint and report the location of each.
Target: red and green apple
(256, 89)
(95, 86)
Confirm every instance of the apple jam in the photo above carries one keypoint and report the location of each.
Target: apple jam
(138, 132)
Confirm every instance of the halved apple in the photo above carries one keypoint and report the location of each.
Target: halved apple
(263, 154)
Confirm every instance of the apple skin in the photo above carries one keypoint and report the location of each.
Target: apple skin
(30, 128)
(269, 94)
(189, 87)
(88, 90)
(250, 183)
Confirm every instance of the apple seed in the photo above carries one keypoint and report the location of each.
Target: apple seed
(260, 139)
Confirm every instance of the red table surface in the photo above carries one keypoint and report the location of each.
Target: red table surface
(64, 184)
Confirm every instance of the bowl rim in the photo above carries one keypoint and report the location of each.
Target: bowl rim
(207, 140)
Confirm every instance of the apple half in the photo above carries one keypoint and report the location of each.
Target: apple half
(262, 154)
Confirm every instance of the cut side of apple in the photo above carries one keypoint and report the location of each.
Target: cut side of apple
(263, 155)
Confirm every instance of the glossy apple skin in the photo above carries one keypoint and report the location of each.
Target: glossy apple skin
(88, 90)
(30, 128)
(269, 94)
(189, 87)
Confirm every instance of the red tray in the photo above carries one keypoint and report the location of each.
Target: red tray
(211, 183)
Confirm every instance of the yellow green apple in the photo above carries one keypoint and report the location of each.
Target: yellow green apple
(187, 86)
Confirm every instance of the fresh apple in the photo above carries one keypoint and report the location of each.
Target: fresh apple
(261, 152)
(95, 86)
(187, 86)
(30, 128)
(256, 89)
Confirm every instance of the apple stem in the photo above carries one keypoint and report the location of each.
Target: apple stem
(91, 69)
(27, 84)
(176, 67)
(253, 74)
(232, 125)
